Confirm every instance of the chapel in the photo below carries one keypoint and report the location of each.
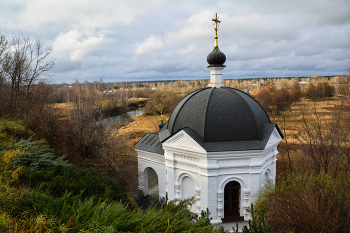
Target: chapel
(218, 145)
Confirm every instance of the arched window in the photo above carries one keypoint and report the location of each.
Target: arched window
(266, 178)
(232, 202)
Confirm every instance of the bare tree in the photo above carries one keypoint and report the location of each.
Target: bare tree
(322, 137)
(3, 46)
(25, 63)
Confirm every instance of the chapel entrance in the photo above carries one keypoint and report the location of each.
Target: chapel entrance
(153, 185)
(232, 202)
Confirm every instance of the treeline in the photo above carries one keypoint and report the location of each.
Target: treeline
(254, 84)
(278, 99)
(274, 99)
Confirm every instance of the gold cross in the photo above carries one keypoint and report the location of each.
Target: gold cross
(216, 28)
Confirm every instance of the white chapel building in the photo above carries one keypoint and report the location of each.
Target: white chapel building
(218, 145)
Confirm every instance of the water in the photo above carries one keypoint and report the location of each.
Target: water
(123, 118)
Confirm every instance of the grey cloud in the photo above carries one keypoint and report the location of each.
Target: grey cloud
(259, 38)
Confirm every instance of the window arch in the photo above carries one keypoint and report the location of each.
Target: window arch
(188, 187)
(266, 179)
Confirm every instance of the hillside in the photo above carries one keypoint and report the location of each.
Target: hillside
(41, 192)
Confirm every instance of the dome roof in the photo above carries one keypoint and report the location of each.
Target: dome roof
(216, 57)
(218, 115)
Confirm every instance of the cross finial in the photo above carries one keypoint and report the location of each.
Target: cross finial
(216, 28)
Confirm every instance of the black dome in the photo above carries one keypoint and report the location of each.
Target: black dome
(216, 57)
(218, 115)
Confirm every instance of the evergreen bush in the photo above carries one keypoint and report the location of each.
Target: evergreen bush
(74, 180)
(257, 224)
(78, 215)
(36, 155)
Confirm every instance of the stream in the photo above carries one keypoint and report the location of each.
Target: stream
(123, 118)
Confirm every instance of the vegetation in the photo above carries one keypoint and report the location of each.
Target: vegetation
(257, 224)
(311, 193)
(41, 192)
(74, 180)
(162, 102)
(308, 203)
(274, 100)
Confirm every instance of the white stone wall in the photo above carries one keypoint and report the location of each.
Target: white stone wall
(156, 162)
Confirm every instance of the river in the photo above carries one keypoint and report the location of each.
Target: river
(123, 118)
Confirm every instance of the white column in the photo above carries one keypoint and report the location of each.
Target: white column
(216, 76)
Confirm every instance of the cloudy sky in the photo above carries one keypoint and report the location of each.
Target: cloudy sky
(139, 40)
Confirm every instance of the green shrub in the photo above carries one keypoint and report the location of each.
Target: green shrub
(8, 172)
(173, 218)
(5, 221)
(39, 212)
(36, 155)
(74, 180)
(13, 131)
(257, 224)
(38, 203)
(79, 215)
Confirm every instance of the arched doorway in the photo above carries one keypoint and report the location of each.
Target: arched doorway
(232, 199)
(152, 183)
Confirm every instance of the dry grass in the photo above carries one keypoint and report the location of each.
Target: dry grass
(64, 108)
(142, 125)
(143, 122)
